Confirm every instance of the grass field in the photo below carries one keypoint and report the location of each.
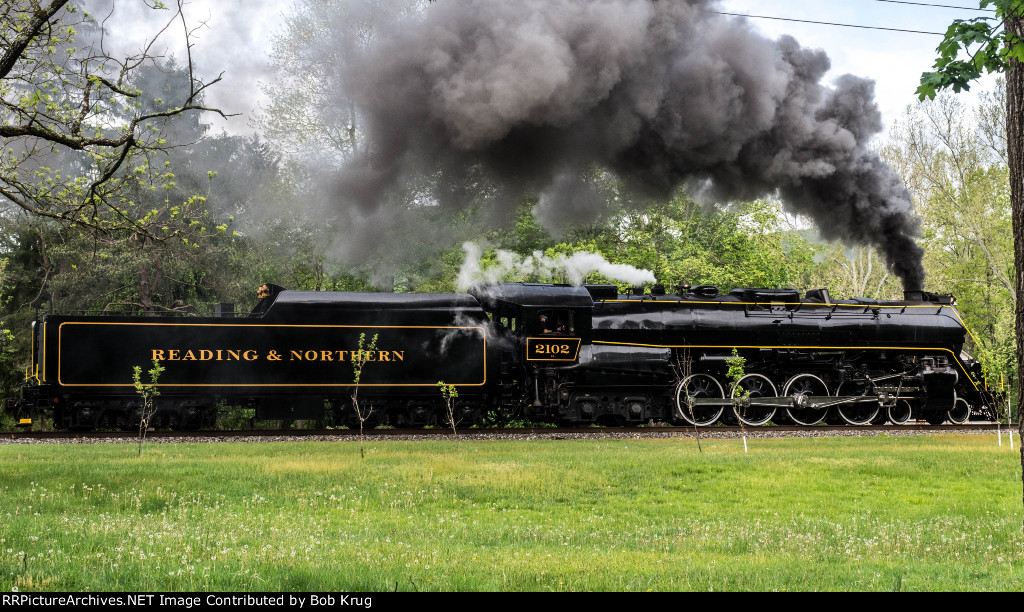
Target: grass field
(879, 513)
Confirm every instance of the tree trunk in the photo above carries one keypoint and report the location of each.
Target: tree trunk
(145, 288)
(1015, 156)
(148, 286)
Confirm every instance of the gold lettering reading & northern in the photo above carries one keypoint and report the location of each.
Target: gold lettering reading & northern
(275, 355)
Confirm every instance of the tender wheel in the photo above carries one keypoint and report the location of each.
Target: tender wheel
(699, 386)
(804, 385)
(757, 385)
(860, 413)
(960, 413)
(900, 412)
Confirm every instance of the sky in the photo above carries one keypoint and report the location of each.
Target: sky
(231, 36)
(894, 60)
(238, 35)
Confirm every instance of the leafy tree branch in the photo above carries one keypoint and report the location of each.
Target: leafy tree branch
(63, 95)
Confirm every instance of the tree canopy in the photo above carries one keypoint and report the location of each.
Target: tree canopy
(78, 134)
(988, 44)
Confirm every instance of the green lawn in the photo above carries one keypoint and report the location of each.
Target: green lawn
(877, 513)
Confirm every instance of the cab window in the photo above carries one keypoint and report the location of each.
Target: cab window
(509, 323)
(555, 322)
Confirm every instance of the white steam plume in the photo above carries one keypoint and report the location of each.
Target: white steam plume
(574, 268)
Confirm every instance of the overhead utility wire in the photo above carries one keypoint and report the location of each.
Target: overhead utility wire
(845, 25)
(962, 8)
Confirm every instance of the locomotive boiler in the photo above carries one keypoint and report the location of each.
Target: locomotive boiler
(566, 354)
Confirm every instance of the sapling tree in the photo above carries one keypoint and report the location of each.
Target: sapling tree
(359, 360)
(450, 394)
(741, 397)
(148, 394)
(684, 371)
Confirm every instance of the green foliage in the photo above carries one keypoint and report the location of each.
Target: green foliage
(11, 360)
(236, 417)
(737, 364)
(360, 357)
(987, 44)
(737, 368)
(148, 392)
(745, 245)
(448, 392)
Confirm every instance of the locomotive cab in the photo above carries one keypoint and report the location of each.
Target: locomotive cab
(547, 322)
(546, 326)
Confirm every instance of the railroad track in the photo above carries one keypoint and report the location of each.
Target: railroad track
(635, 432)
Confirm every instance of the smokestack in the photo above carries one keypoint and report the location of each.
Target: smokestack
(531, 97)
(925, 296)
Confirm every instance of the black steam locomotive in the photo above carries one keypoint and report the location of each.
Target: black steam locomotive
(566, 354)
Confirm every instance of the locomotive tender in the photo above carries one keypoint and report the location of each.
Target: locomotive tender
(566, 354)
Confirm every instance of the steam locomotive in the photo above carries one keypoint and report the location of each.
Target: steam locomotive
(572, 355)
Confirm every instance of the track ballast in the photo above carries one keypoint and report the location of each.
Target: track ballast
(498, 433)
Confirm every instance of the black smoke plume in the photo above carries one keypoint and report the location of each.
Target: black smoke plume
(529, 97)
